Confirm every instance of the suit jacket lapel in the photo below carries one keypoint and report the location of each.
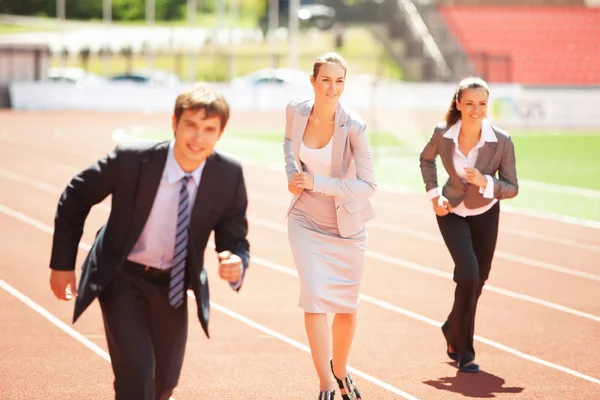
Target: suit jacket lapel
(340, 133)
(485, 155)
(205, 194)
(151, 171)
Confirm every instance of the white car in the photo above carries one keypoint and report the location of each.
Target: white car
(153, 77)
(274, 76)
(75, 75)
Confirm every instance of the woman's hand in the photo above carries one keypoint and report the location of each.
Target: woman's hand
(303, 180)
(475, 177)
(441, 206)
(293, 188)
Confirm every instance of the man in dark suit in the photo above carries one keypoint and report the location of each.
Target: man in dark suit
(167, 198)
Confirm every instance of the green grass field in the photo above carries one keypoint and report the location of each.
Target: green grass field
(569, 159)
(566, 159)
(6, 29)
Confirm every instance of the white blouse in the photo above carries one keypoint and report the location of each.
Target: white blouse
(317, 161)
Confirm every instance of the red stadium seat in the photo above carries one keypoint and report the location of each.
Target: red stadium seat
(546, 45)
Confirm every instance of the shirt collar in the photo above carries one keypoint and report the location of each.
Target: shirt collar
(487, 133)
(174, 171)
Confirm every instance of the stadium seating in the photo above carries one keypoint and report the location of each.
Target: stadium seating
(531, 45)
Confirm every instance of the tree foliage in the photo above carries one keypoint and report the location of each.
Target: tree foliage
(122, 10)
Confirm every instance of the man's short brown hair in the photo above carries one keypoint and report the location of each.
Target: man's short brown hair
(203, 96)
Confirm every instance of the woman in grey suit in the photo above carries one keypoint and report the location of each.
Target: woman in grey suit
(330, 173)
(467, 208)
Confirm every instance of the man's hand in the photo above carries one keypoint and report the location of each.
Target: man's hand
(230, 266)
(63, 284)
(441, 206)
(303, 180)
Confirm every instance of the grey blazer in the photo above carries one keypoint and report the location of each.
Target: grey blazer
(352, 179)
(495, 157)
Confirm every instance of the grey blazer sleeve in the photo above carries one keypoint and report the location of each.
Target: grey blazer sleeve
(288, 151)
(506, 186)
(364, 185)
(427, 161)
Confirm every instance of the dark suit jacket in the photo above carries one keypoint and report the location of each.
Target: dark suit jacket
(132, 175)
(495, 157)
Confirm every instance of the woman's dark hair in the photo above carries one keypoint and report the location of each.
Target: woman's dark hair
(472, 82)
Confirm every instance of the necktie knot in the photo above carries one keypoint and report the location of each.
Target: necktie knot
(186, 178)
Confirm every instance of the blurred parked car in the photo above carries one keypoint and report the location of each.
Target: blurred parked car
(311, 13)
(77, 76)
(279, 76)
(155, 77)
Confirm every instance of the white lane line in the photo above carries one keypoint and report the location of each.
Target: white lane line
(306, 349)
(551, 239)
(446, 275)
(34, 183)
(378, 203)
(436, 238)
(587, 223)
(374, 255)
(397, 189)
(504, 229)
(84, 246)
(121, 135)
(430, 321)
(36, 307)
(525, 184)
(369, 299)
(499, 253)
(54, 320)
(560, 189)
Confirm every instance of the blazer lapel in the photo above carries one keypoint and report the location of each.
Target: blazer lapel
(447, 156)
(485, 155)
(205, 194)
(151, 171)
(298, 128)
(340, 133)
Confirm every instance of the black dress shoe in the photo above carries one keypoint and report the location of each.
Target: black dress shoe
(453, 355)
(472, 368)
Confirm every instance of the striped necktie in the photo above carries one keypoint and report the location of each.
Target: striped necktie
(177, 281)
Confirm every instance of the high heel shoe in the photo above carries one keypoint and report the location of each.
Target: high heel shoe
(346, 384)
(326, 395)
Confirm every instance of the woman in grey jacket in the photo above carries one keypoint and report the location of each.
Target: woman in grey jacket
(467, 208)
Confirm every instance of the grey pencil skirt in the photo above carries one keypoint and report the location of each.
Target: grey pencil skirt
(330, 267)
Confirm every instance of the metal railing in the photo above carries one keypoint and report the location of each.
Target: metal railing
(419, 30)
